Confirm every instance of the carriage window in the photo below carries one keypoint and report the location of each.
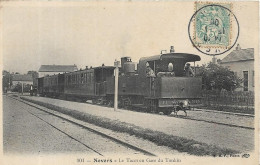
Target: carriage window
(91, 77)
(69, 81)
(82, 78)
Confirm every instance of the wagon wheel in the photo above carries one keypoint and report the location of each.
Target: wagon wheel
(110, 103)
(127, 102)
(148, 109)
(94, 101)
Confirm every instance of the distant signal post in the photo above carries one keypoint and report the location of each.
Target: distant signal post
(116, 64)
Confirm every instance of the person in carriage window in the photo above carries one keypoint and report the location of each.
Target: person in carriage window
(188, 70)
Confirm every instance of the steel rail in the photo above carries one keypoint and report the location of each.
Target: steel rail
(88, 128)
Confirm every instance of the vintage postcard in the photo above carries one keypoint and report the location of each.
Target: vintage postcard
(129, 82)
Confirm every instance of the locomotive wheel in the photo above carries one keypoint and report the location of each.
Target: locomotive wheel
(151, 106)
(167, 111)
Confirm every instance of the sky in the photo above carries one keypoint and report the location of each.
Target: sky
(92, 33)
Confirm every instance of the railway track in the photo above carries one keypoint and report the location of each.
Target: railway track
(45, 111)
(187, 118)
(179, 116)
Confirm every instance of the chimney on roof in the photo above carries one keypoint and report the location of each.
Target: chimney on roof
(86, 67)
(214, 60)
(219, 61)
(238, 47)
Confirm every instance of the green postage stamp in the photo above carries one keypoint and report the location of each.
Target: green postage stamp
(213, 28)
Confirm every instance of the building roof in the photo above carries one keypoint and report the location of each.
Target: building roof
(22, 77)
(239, 55)
(58, 68)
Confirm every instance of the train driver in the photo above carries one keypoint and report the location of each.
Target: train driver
(149, 71)
(189, 71)
(170, 69)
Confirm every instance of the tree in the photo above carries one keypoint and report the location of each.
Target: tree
(215, 76)
(35, 75)
(6, 80)
(18, 88)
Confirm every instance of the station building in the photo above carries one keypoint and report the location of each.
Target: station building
(56, 69)
(241, 62)
(22, 79)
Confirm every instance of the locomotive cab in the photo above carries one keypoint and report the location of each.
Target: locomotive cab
(169, 87)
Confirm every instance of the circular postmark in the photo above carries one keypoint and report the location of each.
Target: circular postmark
(213, 29)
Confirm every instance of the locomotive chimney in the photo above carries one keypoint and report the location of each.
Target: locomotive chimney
(238, 47)
(123, 61)
(172, 49)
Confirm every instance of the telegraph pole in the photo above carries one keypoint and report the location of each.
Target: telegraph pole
(116, 64)
(22, 88)
(9, 80)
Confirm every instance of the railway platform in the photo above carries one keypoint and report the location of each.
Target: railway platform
(217, 129)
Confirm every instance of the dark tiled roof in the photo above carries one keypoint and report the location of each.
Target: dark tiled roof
(22, 77)
(239, 55)
(58, 68)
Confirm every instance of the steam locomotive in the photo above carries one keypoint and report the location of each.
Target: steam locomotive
(166, 89)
